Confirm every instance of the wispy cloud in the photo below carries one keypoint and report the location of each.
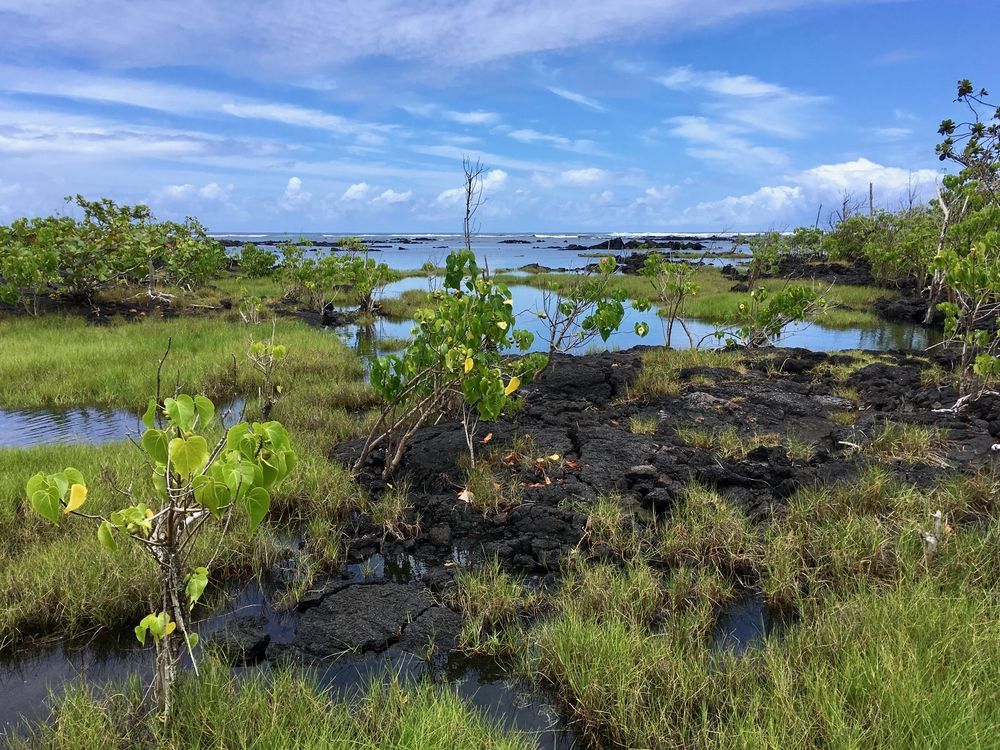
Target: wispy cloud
(273, 38)
(724, 144)
(748, 101)
(576, 98)
(527, 135)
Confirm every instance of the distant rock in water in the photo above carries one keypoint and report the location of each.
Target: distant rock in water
(514, 242)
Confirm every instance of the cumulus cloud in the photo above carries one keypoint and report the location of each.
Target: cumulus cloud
(294, 196)
(359, 191)
(854, 176)
(390, 197)
(490, 182)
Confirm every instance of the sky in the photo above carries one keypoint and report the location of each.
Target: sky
(596, 115)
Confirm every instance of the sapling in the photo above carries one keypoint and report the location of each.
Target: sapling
(194, 483)
(265, 357)
(673, 286)
(765, 315)
(591, 307)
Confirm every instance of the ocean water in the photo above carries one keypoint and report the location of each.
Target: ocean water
(407, 252)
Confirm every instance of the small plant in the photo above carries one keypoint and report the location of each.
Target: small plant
(390, 512)
(765, 315)
(673, 286)
(914, 443)
(194, 483)
(588, 309)
(265, 357)
(643, 425)
(455, 360)
(250, 308)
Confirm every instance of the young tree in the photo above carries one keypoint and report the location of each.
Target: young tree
(194, 483)
(672, 286)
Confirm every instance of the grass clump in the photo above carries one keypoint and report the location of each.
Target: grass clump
(269, 710)
(705, 531)
(661, 368)
(913, 443)
(494, 603)
(643, 425)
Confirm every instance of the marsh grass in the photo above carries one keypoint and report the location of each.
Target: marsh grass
(661, 368)
(494, 603)
(277, 709)
(392, 509)
(901, 669)
(705, 531)
(913, 443)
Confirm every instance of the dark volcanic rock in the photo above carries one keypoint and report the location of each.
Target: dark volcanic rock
(360, 618)
(243, 641)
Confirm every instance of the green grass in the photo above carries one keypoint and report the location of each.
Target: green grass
(661, 368)
(494, 604)
(57, 581)
(715, 303)
(903, 441)
(643, 425)
(909, 668)
(269, 710)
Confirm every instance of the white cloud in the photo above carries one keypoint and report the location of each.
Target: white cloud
(725, 144)
(478, 117)
(756, 210)
(213, 191)
(892, 134)
(747, 101)
(183, 100)
(527, 135)
(576, 98)
(854, 176)
(586, 176)
(137, 34)
(391, 197)
(294, 196)
(357, 192)
(491, 182)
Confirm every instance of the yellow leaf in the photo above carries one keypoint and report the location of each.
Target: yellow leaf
(149, 513)
(468, 364)
(77, 497)
(502, 325)
(513, 385)
(554, 457)
(171, 627)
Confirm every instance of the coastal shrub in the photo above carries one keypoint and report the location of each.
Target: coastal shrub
(194, 482)
(257, 262)
(360, 274)
(29, 258)
(455, 362)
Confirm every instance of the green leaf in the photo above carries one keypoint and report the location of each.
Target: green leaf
(206, 409)
(180, 411)
(105, 535)
(206, 492)
(149, 418)
(155, 443)
(258, 501)
(188, 456)
(74, 476)
(45, 503)
(195, 585)
(192, 640)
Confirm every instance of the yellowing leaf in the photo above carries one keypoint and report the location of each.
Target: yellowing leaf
(468, 364)
(502, 325)
(171, 627)
(77, 497)
(513, 385)
(554, 457)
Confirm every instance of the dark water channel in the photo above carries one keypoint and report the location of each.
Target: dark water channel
(28, 676)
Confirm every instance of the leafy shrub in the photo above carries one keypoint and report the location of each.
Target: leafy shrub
(257, 262)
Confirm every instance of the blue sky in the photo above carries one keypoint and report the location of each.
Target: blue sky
(596, 115)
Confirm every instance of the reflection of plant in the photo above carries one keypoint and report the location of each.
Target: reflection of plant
(590, 308)
(194, 483)
(765, 315)
(455, 358)
(673, 285)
